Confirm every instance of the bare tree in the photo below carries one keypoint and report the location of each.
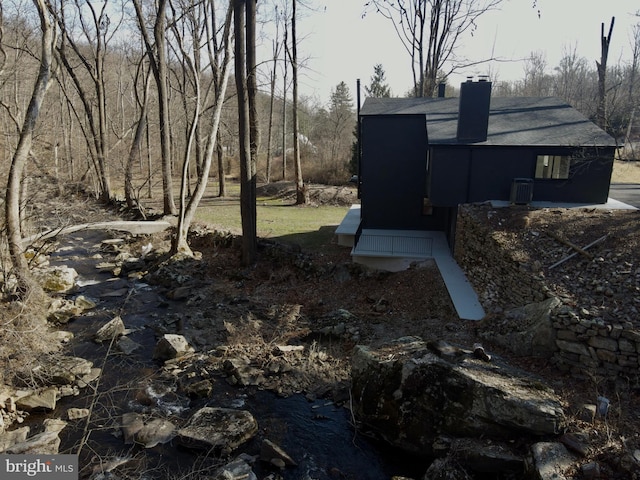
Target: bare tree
(631, 92)
(157, 53)
(284, 99)
(302, 196)
(88, 55)
(221, 57)
(247, 175)
(276, 47)
(26, 285)
(536, 82)
(572, 78)
(136, 144)
(214, 49)
(430, 31)
(605, 40)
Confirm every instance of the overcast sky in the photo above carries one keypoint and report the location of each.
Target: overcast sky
(341, 45)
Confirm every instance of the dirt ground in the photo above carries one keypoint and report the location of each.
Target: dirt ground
(328, 304)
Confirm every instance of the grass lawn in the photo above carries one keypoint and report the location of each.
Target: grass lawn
(311, 227)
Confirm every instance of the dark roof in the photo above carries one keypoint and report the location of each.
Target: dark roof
(522, 121)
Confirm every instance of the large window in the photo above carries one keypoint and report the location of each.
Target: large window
(553, 166)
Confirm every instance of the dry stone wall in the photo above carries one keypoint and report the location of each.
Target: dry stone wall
(596, 322)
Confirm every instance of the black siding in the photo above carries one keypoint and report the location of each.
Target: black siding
(477, 174)
(393, 173)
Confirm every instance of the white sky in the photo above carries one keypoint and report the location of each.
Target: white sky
(343, 46)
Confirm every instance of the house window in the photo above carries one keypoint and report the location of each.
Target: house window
(553, 166)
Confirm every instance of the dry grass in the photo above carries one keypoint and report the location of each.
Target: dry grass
(625, 172)
(24, 336)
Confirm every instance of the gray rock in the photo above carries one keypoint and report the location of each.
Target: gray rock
(409, 396)
(127, 346)
(171, 346)
(66, 370)
(55, 425)
(155, 432)
(242, 373)
(77, 413)
(85, 380)
(200, 389)
(62, 310)
(218, 428)
(480, 455)
(8, 439)
(112, 329)
(270, 451)
(59, 279)
(132, 423)
(549, 461)
(39, 400)
(45, 443)
(238, 469)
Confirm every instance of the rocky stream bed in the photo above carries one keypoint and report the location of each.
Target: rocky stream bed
(304, 366)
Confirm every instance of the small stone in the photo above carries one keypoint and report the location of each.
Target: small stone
(77, 413)
(112, 329)
(278, 462)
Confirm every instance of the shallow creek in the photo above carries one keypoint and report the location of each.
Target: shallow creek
(318, 435)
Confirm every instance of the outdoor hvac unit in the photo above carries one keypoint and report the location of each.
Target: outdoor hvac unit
(521, 191)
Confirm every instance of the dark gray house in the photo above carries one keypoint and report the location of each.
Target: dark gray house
(422, 157)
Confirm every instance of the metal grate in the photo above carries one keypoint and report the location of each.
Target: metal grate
(521, 191)
(394, 244)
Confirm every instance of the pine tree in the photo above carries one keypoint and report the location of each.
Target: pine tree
(378, 88)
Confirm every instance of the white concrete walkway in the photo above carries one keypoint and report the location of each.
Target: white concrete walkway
(395, 250)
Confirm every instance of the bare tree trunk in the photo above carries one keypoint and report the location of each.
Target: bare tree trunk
(276, 50)
(158, 63)
(284, 106)
(26, 285)
(247, 180)
(222, 181)
(628, 146)
(169, 206)
(186, 218)
(270, 128)
(136, 144)
(252, 86)
(302, 196)
(601, 112)
(188, 66)
(93, 99)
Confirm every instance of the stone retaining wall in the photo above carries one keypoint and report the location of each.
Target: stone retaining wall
(505, 277)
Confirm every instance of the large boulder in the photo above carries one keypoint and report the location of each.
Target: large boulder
(222, 429)
(410, 392)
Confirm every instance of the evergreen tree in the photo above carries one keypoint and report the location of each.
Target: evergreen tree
(378, 88)
(341, 120)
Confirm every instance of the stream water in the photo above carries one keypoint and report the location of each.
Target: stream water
(318, 435)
